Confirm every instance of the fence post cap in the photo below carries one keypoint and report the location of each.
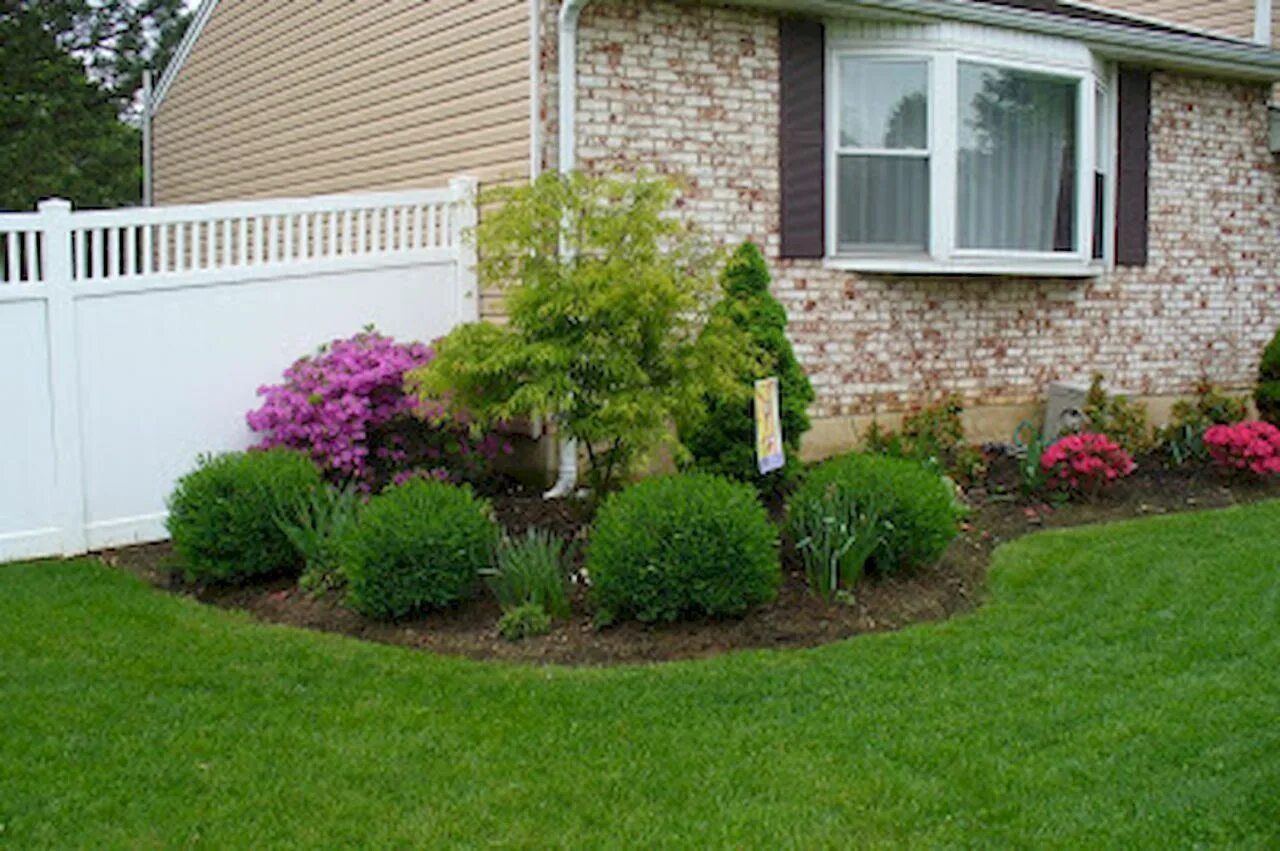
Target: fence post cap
(464, 184)
(48, 205)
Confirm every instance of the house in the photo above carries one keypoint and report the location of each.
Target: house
(971, 196)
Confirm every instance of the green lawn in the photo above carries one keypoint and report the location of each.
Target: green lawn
(1121, 690)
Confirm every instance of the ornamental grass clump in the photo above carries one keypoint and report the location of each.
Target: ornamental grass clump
(532, 570)
(907, 509)
(1084, 464)
(417, 547)
(682, 546)
(222, 515)
(1252, 446)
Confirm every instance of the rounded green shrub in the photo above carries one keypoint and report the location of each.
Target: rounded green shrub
(1267, 394)
(917, 509)
(678, 546)
(223, 515)
(414, 547)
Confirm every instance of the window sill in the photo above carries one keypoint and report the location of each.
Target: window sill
(1006, 267)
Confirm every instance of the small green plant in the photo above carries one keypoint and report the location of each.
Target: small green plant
(722, 439)
(222, 515)
(1030, 443)
(835, 535)
(418, 546)
(918, 510)
(1183, 437)
(524, 621)
(934, 436)
(1267, 394)
(678, 546)
(1124, 421)
(315, 524)
(532, 571)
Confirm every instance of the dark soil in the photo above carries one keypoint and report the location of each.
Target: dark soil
(796, 619)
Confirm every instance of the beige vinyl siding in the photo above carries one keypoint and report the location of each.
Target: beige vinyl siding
(298, 97)
(1233, 18)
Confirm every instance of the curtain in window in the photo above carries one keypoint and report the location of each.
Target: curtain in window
(1016, 176)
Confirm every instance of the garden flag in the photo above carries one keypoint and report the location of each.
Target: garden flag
(769, 452)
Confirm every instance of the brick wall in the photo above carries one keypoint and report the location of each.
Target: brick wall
(691, 90)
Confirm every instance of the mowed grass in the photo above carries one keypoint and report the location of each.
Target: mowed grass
(1121, 690)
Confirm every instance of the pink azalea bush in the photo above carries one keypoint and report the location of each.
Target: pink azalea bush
(346, 407)
(1084, 463)
(1250, 445)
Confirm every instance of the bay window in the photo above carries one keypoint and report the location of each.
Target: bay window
(947, 159)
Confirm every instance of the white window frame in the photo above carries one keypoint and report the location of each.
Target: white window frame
(943, 60)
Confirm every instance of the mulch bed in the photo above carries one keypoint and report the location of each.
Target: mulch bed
(796, 619)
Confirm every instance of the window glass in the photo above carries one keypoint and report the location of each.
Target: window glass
(1016, 168)
(883, 165)
(883, 104)
(883, 203)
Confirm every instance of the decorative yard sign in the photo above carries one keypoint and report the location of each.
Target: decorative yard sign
(769, 454)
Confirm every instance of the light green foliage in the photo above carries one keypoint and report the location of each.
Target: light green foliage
(1183, 437)
(917, 510)
(524, 621)
(610, 330)
(416, 547)
(681, 546)
(723, 440)
(222, 515)
(835, 534)
(532, 571)
(1116, 689)
(315, 523)
(1124, 421)
(1267, 395)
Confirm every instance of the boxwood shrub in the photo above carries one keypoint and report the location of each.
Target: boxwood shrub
(679, 546)
(917, 508)
(222, 515)
(417, 546)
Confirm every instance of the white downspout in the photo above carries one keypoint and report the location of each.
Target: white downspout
(567, 54)
(1262, 22)
(148, 95)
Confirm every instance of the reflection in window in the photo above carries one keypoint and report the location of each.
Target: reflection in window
(1016, 177)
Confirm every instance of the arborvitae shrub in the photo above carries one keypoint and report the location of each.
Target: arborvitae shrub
(724, 442)
(1267, 394)
(418, 546)
(678, 546)
(223, 515)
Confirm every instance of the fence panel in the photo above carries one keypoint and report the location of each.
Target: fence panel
(136, 339)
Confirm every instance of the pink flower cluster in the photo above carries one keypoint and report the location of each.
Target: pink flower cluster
(1085, 462)
(1252, 445)
(330, 403)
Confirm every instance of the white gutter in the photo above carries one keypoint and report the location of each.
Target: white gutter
(567, 159)
(1262, 22)
(1161, 48)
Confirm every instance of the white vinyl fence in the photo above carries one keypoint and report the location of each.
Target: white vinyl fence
(133, 340)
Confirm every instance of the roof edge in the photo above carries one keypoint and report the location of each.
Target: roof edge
(1172, 49)
(198, 22)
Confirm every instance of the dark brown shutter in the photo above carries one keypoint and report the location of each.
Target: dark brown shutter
(1134, 102)
(801, 137)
